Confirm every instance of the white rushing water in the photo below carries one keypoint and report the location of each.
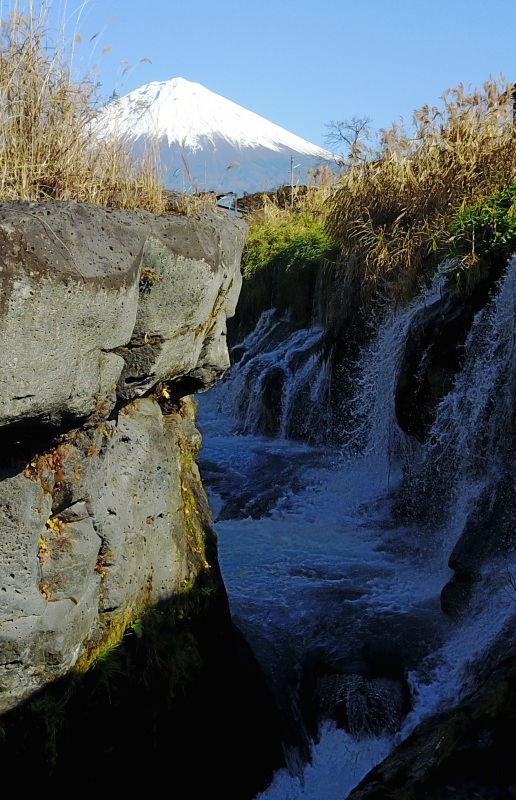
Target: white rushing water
(311, 554)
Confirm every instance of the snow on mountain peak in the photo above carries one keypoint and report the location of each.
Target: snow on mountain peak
(202, 134)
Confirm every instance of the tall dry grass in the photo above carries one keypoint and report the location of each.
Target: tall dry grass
(390, 214)
(48, 146)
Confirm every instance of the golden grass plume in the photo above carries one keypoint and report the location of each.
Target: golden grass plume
(391, 212)
(48, 146)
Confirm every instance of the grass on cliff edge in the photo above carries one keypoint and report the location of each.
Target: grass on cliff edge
(480, 234)
(391, 213)
(48, 149)
(438, 196)
(290, 241)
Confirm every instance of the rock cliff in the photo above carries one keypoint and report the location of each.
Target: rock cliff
(108, 321)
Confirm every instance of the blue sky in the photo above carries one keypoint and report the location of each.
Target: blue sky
(301, 64)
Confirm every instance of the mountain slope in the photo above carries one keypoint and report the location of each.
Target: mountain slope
(207, 142)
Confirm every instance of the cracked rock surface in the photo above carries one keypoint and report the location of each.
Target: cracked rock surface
(108, 321)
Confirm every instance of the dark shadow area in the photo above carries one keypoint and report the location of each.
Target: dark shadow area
(180, 702)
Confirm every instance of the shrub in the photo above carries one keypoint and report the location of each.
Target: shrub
(391, 213)
(289, 240)
(48, 147)
(478, 235)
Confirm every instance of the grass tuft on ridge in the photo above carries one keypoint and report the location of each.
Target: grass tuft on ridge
(391, 214)
(48, 146)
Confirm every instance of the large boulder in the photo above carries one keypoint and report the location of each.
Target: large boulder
(115, 632)
(91, 294)
(91, 530)
(463, 751)
(99, 512)
(189, 285)
(69, 287)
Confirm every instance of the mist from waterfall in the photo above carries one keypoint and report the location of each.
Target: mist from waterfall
(317, 557)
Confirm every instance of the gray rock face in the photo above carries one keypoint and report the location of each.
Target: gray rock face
(190, 284)
(90, 295)
(101, 506)
(69, 279)
(106, 534)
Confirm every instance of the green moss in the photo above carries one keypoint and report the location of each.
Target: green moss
(196, 511)
(112, 627)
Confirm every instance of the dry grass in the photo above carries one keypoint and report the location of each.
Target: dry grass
(391, 213)
(48, 148)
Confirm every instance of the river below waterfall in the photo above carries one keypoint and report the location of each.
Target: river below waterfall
(319, 567)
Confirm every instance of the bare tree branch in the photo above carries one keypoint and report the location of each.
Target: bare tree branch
(346, 138)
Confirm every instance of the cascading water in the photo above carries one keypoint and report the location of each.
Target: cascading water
(470, 440)
(281, 387)
(339, 595)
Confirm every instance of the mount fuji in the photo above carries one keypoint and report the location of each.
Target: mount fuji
(208, 143)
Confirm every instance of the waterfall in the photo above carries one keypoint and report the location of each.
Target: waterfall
(470, 439)
(335, 575)
(468, 452)
(372, 427)
(281, 386)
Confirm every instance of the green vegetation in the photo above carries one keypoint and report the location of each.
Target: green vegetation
(289, 249)
(444, 190)
(291, 241)
(480, 234)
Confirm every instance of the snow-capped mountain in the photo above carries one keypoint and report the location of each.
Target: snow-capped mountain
(208, 143)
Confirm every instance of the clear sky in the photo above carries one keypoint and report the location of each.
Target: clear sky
(301, 63)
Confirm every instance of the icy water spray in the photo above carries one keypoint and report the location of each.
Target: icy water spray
(311, 554)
